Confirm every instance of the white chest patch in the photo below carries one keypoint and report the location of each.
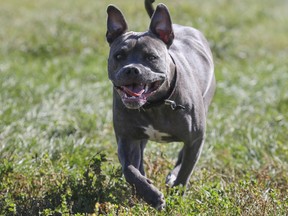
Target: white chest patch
(154, 134)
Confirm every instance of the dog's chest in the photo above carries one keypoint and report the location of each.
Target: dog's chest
(156, 135)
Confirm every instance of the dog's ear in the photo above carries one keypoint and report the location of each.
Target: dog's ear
(116, 24)
(161, 24)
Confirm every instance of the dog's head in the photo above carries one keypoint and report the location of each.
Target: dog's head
(138, 63)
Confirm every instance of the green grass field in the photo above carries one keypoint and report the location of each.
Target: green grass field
(57, 147)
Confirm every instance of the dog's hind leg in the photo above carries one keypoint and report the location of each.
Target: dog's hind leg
(142, 147)
(170, 179)
(190, 157)
(186, 162)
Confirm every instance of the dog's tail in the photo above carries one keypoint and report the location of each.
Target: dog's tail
(149, 7)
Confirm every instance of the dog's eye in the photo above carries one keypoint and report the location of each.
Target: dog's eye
(151, 57)
(119, 56)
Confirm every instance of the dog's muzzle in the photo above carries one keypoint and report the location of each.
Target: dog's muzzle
(135, 95)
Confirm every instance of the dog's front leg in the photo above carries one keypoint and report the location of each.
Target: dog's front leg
(130, 153)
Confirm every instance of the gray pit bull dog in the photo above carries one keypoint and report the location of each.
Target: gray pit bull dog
(163, 84)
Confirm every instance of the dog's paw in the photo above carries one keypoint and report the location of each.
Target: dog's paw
(170, 179)
(156, 200)
(153, 196)
(160, 205)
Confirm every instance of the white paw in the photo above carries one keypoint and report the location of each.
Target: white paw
(170, 179)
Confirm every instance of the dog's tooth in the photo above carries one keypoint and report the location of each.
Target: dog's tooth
(146, 88)
(141, 92)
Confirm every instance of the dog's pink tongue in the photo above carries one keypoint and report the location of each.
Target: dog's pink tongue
(134, 90)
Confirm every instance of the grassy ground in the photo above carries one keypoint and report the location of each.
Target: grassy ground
(57, 147)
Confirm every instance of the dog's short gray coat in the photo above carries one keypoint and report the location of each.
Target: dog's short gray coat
(163, 84)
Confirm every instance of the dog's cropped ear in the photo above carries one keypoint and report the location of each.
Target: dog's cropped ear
(116, 24)
(161, 24)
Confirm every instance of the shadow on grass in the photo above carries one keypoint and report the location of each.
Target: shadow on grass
(94, 192)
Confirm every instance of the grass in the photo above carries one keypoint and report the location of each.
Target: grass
(57, 147)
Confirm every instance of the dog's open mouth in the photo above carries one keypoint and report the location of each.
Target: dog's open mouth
(135, 95)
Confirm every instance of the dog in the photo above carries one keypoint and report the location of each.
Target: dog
(163, 82)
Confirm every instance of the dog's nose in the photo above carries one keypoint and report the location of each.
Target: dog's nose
(132, 71)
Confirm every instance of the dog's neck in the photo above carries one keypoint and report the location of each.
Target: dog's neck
(166, 99)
